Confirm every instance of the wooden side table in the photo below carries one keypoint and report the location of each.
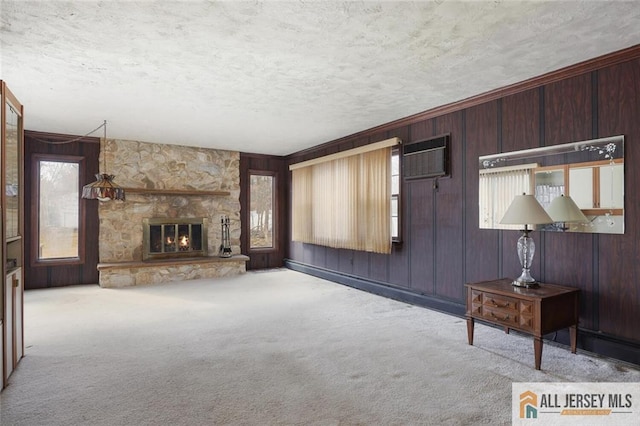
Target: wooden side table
(535, 311)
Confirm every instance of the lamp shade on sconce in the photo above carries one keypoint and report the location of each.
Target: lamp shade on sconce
(104, 188)
(564, 209)
(525, 209)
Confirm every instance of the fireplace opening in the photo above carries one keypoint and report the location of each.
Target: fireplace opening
(167, 238)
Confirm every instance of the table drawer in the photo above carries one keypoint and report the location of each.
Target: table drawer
(504, 310)
(501, 302)
(506, 317)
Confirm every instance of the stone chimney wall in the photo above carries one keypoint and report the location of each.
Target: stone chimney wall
(173, 167)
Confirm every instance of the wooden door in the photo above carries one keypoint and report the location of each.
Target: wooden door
(44, 265)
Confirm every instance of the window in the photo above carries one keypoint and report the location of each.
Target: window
(344, 200)
(58, 210)
(395, 195)
(261, 219)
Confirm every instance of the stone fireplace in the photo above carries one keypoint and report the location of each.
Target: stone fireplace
(179, 192)
(174, 238)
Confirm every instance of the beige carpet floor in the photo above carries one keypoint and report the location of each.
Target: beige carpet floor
(268, 348)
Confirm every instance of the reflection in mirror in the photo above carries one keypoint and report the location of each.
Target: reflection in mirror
(590, 172)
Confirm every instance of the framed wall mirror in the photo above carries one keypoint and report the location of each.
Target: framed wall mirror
(590, 172)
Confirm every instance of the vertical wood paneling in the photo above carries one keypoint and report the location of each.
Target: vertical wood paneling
(319, 257)
(441, 227)
(379, 267)
(361, 263)
(307, 253)
(259, 259)
(92, 226)
(399, 265)
(333, 259)
(568, 257)
(619, 266)
(481, 245)
(520, 130)
(61, 275)
(568, 110)
(295, 250)
(449, 216)
(420, 229)
(345, 264)
(399, 260)
(246, 162)
(64, 275)
(284, 210)
(521, 121)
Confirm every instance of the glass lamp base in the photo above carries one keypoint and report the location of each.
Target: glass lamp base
(526, 250)
(525, 280)
(517, 283)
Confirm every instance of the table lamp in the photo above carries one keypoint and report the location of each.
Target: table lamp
(525, 210)
(564, 210)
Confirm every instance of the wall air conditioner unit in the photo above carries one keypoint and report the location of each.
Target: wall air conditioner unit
(426, 158)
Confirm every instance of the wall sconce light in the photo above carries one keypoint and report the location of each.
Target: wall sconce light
(525, 210)
(564, 210)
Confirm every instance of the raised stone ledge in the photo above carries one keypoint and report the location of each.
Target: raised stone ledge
(127, 274)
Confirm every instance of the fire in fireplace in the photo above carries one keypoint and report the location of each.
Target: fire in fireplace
(166, 238)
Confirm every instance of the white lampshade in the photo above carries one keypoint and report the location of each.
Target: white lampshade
(564, 209)
(525, 209)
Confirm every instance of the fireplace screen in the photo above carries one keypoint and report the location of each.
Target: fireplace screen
(167, 238)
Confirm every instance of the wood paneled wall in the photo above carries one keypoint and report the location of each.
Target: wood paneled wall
(443, 247)
(265, 258)
(58, 274)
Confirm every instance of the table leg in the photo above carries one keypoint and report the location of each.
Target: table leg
(470, 330)
(537, 348)
(573, 336)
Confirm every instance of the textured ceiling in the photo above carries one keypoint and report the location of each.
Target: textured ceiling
(278, 77)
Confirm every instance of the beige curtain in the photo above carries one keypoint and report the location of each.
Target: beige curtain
(345, 202)
(497, 189)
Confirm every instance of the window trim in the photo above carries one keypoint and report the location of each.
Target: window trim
(35, 261)
(399, 239)
(274, 207)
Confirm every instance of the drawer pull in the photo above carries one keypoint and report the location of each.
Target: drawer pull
(505, 318)
(497, 305)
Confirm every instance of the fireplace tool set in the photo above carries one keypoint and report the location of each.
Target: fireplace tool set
(225, 247)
